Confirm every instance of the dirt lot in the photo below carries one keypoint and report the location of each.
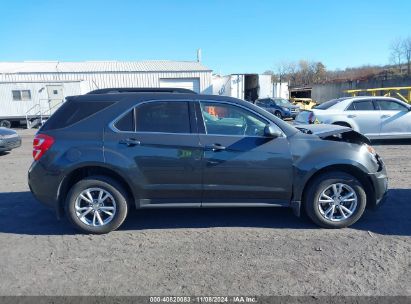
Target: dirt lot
(204, 252)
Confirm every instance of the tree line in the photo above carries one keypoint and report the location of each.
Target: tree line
(305, 72)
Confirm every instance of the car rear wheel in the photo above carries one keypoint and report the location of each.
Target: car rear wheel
(335, 200)
(96, 205)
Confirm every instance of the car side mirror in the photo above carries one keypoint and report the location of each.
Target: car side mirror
(271, 131)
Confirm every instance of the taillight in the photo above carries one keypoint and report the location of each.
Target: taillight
(311, 118)
(41, 144)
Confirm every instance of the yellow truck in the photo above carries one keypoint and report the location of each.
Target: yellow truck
(303, 103)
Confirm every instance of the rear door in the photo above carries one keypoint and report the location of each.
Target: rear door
(365, 115)
(395, 118)
(240, 164)
(158, 145)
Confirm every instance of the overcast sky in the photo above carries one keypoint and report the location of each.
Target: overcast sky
(235, 36)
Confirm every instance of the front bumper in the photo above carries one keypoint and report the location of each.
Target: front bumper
(294, 114)
(7, 144)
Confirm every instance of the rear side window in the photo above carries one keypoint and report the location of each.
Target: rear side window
(163, 116)
(365, 105)
(74, 111)
(126, 123)
(328, 104)
(389, 105)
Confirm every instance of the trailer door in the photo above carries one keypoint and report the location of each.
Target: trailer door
(55, 96)
(237, 86)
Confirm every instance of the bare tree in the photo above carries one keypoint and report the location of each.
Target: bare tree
(320, 72)
(303, 72)
(406, 47)
(397, 53)
(281, 71)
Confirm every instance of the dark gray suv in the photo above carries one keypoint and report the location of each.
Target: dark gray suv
(110, 150)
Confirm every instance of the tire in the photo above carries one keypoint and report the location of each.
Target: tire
(5, 124)
(278, 114)
(115, 203)
(321, 187)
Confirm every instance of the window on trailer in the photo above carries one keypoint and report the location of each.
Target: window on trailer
(21, 95)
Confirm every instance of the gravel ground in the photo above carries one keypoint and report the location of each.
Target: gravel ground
(204, 251)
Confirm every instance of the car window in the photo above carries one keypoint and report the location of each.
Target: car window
(261, 102)
(282, 102)
(225, 119)
(126, 123)
(364, 105)
(163, 116)
(330, 103)
(72, 112)
(390, 105)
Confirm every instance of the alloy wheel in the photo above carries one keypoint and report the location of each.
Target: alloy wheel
(337, 202)
(95, 207)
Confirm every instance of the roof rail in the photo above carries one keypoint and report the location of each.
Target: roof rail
(141, 90)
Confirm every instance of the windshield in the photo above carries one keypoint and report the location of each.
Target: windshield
(330, 103)
(282, 102)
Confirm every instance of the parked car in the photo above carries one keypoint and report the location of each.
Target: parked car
(281, 108)
(103, 153)
(9, 139)
(375, 117)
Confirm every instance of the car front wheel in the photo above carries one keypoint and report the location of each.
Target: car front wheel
(278, 114)
(96, 205)
(335, 200)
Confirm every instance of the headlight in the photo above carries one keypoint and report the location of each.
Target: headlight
(370, 149)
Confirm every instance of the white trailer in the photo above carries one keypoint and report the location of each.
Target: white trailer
(280, 90)
(248, 86)
(32, 91)
(29, 103)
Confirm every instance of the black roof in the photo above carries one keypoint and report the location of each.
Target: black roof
(141, 90)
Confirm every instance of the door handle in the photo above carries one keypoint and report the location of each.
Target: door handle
(352, 116)
(385, 116)
(130, 142)
(215, 147)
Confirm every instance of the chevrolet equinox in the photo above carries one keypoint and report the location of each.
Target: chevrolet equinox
(110, 150)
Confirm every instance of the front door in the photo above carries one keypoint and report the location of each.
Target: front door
(156, 145)
(240, 164)
(55, 96)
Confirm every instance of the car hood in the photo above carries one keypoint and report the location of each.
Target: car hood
(333, 132)
(6, 131)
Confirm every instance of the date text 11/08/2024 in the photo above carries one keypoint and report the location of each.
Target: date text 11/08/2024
(203, 299)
